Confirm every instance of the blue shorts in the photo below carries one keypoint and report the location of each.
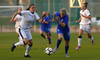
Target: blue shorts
(46, 30)
(65, 35)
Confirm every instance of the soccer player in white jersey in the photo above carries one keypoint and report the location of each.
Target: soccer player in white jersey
(85, 24)
(24, 28)
(17, 21)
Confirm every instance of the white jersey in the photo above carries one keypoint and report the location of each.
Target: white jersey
(83, 19)
(28, 18)
(18, 20)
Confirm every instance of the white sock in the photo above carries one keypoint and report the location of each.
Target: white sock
(19, 43)
(27, 49)
(20, 39)
(92, 37)
(79, 41)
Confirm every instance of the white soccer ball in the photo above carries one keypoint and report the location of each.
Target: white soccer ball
(48, 50)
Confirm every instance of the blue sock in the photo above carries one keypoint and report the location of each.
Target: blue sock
(66, 49)
(50, 33)
(43, 35)
(49, 40)
(58, 43)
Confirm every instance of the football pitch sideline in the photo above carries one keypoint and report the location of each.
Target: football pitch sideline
(86, 52)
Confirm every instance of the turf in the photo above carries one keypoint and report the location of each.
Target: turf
(87, 51)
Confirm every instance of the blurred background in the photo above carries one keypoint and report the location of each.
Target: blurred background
(9, 7)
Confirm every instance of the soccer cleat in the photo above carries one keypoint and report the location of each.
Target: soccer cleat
(78, 47)
(13, 47)
(27, 56)
(55, 49)
(92, 42)
(67, 55)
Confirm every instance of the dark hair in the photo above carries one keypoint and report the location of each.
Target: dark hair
(85, 3)
(30, 6)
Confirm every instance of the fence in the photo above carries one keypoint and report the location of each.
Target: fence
(46, 5)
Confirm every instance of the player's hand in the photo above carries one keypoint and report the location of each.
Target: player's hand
(53, 20)
(11, 21)
(77, 21)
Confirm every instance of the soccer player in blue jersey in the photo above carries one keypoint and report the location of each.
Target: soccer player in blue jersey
(62, 29)
(44, 28)
(49, 25)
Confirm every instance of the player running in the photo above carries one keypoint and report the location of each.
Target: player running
(44, 28)
(85, 24)
(17, 21)
(24, 28)
(49, 25)
(62, 29)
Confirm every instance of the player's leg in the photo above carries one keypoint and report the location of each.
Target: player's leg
(47, 31)
(23, 36)
(67, 39)
(41, 33)
(30, 43)
(49, 39)
(91, 37)
(66, 48)
(88, 30)
(28, 48)
(79, 38)
(60, 36)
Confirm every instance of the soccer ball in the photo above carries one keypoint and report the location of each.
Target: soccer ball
(48, 50)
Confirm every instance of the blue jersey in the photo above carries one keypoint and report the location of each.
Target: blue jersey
(49, 19)
(63, 20)
(44, 25)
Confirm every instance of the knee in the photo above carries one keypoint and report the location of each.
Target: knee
(25, 42)
(60, 38)
(89, 36)
(40, 33)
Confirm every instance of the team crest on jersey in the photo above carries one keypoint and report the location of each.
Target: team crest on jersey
(62, 20)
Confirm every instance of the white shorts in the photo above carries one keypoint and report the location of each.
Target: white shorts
(86, 27)
(25, 33)
(17, 30)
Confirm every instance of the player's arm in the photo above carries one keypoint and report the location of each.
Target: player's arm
(41, 20)
(15, 19)
(62, 24)
(54, 17)
(88, 17)
(14, 16)
(78, 20)
(46, 22)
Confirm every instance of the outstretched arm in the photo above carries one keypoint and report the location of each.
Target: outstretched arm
(78, 20)
(41, 20)
(14, 17)
(54, 17)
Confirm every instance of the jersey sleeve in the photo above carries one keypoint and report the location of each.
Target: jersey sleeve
(66, 20)
(57, 14)
(23, 12)
(87, 13)
(37, 16)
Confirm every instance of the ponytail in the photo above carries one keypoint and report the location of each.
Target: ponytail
(30, 6)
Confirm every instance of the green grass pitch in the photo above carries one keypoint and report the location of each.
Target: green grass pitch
(87, 51)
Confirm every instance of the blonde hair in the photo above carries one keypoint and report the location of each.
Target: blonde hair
(63, 10)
